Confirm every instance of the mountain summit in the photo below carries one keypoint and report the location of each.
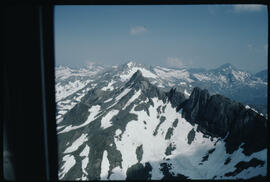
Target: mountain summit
(227, 66)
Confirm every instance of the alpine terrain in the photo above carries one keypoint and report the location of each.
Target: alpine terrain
(150, 123)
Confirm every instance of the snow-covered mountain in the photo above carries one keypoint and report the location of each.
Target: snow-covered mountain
(69, 80)
(239, 85)
(227, 80)
(125, 123)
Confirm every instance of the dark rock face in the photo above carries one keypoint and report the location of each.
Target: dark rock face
(195, 104)
(165, 168)
(162, 119)
(169, 149)
(137, 81)
(139, 153)
(191, 136)
(220, 116)
(175, 97)
(139, 172)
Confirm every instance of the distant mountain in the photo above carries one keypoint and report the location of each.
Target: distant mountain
(263, 75)
(124, 124)
(226, 80)
(69, 81)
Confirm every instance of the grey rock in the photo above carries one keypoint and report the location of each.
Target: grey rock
(219, 116)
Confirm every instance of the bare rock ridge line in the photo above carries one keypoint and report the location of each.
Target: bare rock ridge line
(223, 117)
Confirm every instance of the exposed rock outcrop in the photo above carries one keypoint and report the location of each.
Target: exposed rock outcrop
(222, 117)
(175, 97)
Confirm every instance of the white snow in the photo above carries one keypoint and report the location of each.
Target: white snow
(62, 91)
(201, 77)
(153, 146)
(85, 154)
(105, 166)
(130, 64)
(146, 73)
(239, 75)
(122, 94)
(186, 93)
(117, 174)
(223, 78)
(69, 163)
(108, 100)
(106, 120)
(248, 107)
(186, 157)
(59, 127)
(85, 151)
(62, 112)
(173, 74)
(132, 99)
(109, 86)
(94, 111)
(63, 73)
(76, 144)
(118, 132)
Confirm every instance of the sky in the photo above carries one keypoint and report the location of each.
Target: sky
(193, 36)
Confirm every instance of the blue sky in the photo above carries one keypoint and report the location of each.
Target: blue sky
(168, 35)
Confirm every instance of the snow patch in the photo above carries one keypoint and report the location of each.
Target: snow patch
(94, 111)
(108, 100)
(69, 162)
(186, 93)
(106, 121)
(122, 94)
(85, 154)
(109, 86)
(117, 174)
(76, 144)
(105, 166)
(133, 98)
(173, 74)
(130, 72)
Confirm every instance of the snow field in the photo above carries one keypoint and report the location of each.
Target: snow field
(94, 111)
(106, 120)
(77, 143)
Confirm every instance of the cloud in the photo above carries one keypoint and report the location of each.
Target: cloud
(247, 8)
(175, 62)
(137, 30)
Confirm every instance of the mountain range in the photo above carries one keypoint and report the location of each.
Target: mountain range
(134, 122)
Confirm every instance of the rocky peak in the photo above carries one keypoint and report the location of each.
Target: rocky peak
(138, 81)
(227, 66)
(219, 116)
(137, 75)
(196, 101)
(198, 93)
(175, 97)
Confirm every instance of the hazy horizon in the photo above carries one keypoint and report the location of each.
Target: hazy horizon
(195, 36)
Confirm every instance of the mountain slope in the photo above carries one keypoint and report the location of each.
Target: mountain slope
(136, 131)
(263, 75)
